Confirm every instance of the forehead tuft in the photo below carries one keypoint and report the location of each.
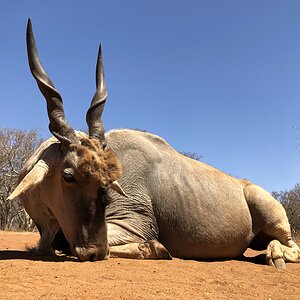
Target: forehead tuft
(96, 164)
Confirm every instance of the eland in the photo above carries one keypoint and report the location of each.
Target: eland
(128, 193)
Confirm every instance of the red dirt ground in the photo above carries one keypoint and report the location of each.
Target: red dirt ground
(26, 276)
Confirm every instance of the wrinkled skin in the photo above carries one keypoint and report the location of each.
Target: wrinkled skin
(175, 207)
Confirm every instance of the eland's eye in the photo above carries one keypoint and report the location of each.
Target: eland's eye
(68, 176)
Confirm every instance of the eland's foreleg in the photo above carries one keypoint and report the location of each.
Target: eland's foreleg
(147, 250)
(46, 224)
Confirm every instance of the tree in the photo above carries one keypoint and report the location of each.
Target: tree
(16, 146)
(192, 155)
(291, 202)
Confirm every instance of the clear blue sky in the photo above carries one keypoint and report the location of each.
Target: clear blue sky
(220, 78)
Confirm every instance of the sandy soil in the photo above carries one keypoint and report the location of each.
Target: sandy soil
(25, 276)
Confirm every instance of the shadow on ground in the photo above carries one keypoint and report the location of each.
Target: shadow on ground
(29, 255)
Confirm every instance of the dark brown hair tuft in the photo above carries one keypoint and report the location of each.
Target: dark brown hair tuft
(96, 164)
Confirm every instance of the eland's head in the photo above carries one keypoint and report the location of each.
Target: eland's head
(73, 175)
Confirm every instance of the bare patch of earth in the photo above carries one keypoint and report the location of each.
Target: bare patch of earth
(26, 276)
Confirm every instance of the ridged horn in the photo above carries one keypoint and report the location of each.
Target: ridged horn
(58, 126)
(94, 113)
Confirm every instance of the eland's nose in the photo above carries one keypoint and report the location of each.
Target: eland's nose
(91, 253)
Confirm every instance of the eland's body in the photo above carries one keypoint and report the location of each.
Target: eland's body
(130, 194)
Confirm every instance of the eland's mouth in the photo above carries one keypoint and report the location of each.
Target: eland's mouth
(91, 253)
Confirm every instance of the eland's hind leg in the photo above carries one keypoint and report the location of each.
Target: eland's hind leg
(269, 217)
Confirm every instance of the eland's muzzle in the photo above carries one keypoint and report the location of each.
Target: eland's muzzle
(91, 253)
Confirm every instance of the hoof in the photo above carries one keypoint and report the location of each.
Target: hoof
(154, 250)
(278, 254)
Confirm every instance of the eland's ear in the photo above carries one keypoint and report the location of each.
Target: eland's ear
(117, 188)
(35, 176)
